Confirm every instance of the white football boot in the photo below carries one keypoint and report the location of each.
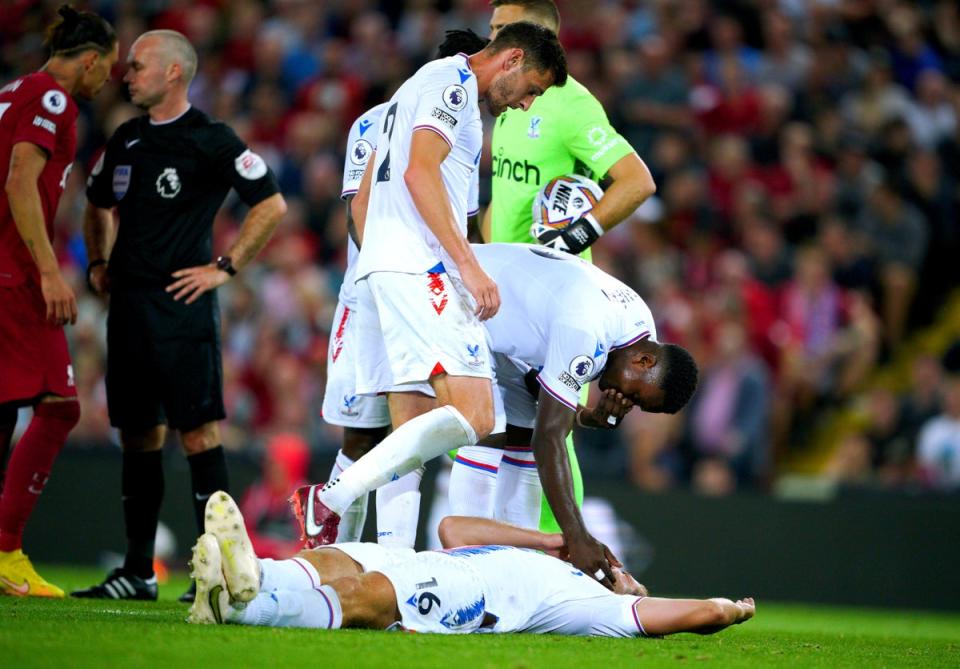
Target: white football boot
(212, 601)
(241, 569)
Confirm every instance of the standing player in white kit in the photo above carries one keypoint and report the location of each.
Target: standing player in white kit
(366, 419)
(422, 293)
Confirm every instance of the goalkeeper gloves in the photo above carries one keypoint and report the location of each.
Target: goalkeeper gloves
(573, 238)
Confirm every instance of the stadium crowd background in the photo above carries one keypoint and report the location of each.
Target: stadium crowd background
(805, 223)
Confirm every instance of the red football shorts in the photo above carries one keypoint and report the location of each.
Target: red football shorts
(34, 359)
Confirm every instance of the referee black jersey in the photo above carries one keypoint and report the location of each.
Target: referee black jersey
(167, 181)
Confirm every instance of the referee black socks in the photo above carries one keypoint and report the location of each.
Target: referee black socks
(142, 491)
(208, 474)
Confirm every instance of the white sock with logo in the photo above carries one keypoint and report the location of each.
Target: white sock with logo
(473, 481)
(293, 574)
(315, 609)
(518, 495)
(353, 519)
(398, 510)
(405, 449)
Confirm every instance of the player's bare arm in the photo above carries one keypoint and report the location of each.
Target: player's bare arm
(357, 205)
(99, 235)
(422, 178)
(554, 422)
(258, 226)
(662, 616)
(455, 531)
(26, 165)
(632, 185)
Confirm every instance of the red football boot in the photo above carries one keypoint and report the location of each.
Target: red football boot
(318, 524)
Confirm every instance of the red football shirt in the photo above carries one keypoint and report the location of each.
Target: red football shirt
(34, 109)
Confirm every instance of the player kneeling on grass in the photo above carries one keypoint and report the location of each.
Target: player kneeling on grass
(471, 589)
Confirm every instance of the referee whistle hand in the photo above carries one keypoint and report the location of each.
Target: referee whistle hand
(193, 282)
(59, 298)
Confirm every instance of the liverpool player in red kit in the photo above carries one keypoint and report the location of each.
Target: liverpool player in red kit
(38, 138)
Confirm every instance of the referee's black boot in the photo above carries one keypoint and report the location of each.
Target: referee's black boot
(121, 584)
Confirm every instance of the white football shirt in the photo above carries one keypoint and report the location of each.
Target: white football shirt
(361, 143)
(442, 98)
(532, 592)
(561, 314)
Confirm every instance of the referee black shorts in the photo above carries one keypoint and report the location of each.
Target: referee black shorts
(163, 361)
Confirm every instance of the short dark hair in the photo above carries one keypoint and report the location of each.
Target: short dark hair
(679, 379)
(75, 32)
(544, 9)
(541, 48)
(461, 41)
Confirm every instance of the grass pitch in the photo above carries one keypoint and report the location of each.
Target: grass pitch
(83, 633)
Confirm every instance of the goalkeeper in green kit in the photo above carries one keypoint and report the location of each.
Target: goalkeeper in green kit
(565, 131)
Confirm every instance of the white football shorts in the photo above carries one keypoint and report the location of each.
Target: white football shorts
(342, 405)
(411, 327)
(519, 406)
(374, 557)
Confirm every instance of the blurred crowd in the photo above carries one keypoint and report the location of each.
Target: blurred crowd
(805, 221)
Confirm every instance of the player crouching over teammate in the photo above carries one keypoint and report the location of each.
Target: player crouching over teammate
(492, 588)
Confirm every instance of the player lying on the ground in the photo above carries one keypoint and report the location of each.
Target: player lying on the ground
(575, 324)
(471, 589)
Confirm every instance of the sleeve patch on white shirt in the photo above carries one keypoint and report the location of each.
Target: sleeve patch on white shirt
(361, 151)
(455, 97)
(444, 117)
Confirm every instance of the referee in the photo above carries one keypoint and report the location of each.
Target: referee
(167, 173)
(565, 130)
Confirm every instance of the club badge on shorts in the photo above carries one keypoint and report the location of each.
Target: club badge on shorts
(121, 180)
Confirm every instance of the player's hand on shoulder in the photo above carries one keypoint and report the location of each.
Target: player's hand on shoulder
(59, 298)
(483, 288)
(573, 238)
(193, 282)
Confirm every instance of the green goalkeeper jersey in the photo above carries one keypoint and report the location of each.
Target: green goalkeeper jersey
(565, 131)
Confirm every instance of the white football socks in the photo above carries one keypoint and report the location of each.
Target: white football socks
(398, 510)
(473, 481)
(518, 488)
(353, 519)
(316, 609)
(405, 449)
(292, 574)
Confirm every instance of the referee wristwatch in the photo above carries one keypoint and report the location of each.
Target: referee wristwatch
(226, 264)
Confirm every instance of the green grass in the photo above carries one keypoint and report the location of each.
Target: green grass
(83, 633)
